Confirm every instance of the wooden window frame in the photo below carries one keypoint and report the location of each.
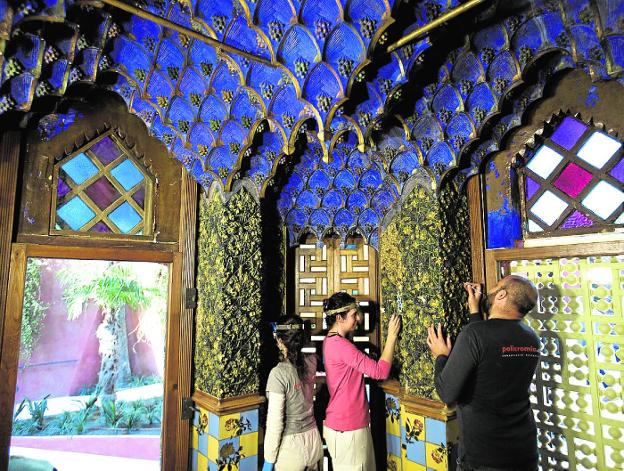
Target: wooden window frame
(147, 224)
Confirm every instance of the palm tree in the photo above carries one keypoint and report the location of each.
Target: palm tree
(112, 289)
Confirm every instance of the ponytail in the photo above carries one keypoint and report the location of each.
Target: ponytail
(294, 339)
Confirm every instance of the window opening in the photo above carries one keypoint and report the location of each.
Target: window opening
(102, 189)
(573, 182)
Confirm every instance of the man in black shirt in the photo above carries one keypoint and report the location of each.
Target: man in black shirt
(488, 375)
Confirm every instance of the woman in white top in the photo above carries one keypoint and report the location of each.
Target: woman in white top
(292, 441)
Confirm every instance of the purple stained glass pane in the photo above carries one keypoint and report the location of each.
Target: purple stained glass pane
(573, 180)
(62, 188)
(568, 132)
(106, 150)
(100, 227)
(102, 192)
(618, 171)
(139, 197)
(531, 187)
(577, 219)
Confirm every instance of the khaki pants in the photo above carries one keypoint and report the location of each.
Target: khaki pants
(300, 451)
(352, 450)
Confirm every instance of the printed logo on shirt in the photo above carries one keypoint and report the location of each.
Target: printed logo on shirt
(519, 351)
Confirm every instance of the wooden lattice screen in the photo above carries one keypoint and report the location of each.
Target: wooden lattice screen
(322, 269)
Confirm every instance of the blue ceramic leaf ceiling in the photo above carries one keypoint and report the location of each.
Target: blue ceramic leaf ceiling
(324, 79)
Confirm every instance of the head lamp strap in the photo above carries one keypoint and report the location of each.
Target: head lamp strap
(289, 326)
(346, 308)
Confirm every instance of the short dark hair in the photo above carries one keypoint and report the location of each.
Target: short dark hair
(522, 293)
(336, 301)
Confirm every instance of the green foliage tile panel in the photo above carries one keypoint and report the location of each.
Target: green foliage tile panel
(228, 281)
(425, 257)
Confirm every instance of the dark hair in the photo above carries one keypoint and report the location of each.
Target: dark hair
(336, 301)
(522, 293)
(294, 340)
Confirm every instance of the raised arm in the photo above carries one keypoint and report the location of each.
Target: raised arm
(452, 368)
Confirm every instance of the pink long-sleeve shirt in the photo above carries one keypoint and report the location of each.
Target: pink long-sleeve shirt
(345, 367)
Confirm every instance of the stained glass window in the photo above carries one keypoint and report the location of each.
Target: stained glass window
(574, 181)
(102, 189)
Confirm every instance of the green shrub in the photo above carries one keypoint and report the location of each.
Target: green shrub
(113, 412)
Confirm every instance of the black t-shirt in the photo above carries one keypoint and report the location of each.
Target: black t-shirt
(488, 375)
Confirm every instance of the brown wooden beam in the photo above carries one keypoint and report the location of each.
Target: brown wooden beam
(477, 239)
(188, 234)
(9, 168)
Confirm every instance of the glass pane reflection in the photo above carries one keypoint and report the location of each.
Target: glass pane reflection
(603, 199)
(545, 161)
(549, 207)
(598, 149)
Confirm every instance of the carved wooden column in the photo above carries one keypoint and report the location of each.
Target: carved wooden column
(9, 166)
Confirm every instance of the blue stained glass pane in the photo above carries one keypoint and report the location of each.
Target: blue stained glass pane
(598, 149)
(531, 187)
(618, 171)
(603, 199)
(568, 132)
(80, 168)
(544, 161)
(549, 207)
(125, 217)
(75, 213)
(127, 174)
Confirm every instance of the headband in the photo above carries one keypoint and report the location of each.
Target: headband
(346, 308)
(277, 326)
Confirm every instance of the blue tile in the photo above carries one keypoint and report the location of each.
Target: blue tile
(393, 444)
(416, 452)
(212, 466)
(249, 464)
(213, 425)
(194, 460)
(234, 440)
(435, 431)
(196, 419)
(252, 416)
(202, 444)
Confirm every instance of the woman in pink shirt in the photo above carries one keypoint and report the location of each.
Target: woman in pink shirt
(347, 420)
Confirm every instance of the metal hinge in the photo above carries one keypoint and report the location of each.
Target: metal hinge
(188, 408)
(190, 298)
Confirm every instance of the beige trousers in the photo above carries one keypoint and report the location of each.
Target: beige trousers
(300, 451)
(350, 451)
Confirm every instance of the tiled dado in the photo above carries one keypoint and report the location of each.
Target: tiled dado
(225, 433)
(419, 433)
